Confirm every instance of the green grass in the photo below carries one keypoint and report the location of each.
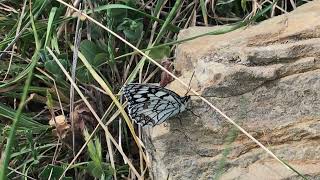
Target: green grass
(35, 89)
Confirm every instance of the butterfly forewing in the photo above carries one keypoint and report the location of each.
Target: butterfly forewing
(152, 105)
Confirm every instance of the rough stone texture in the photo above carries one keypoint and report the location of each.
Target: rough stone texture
(266, 77)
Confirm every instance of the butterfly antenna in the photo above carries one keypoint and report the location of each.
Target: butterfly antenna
(189, 86)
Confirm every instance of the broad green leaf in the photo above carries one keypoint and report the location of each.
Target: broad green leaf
(89, 50)
(52, 67)
(160, 53)
(132, 29)
(84, 75)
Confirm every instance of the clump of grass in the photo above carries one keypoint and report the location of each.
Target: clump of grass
(39, 41)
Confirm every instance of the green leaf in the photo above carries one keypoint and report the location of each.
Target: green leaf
(94, 170)
(54, 172)
(84, 75)
(160, 53)
(52, 67)
(98, 170)
(99, 59)
(89, 49)
(244, 5)
(25, 122)
(95, 55)
(204, 11)
(50, 25)
(132, 29)
(121, 6)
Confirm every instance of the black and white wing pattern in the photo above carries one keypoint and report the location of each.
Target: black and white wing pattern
(152, 105)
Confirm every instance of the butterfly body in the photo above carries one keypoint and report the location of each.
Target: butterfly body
(151, 105)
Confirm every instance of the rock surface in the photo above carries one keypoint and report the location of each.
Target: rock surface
(266, 77)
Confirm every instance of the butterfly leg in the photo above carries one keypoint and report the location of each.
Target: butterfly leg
(193, 113)
(165, 124)
(184, 133)
(180, 120)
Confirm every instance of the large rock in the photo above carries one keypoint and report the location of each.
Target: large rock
(266, 77)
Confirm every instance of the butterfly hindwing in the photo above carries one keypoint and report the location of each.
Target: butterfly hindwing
(151, 105)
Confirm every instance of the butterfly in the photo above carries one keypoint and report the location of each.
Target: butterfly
(152, 105)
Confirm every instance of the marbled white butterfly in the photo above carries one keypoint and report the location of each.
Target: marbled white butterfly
(152, 105)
